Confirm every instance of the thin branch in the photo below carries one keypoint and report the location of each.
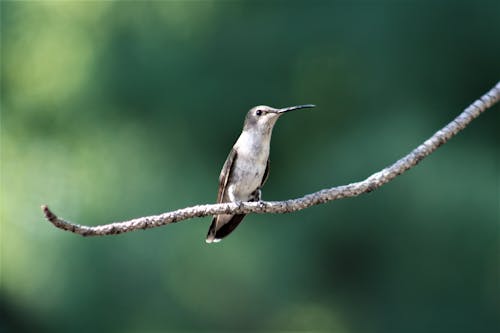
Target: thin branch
(346, 191)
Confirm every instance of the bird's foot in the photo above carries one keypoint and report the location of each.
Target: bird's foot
(256, 195)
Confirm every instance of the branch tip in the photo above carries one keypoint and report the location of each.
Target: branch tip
(48, 213)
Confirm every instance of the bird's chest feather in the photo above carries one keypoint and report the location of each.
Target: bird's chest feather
(249, 168)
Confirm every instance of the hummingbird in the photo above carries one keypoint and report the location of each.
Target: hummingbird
(247, 167)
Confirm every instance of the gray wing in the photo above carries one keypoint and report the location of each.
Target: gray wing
(225, 173)
(223, 225)
(266, 173)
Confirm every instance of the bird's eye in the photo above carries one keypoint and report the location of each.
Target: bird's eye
(258, 112)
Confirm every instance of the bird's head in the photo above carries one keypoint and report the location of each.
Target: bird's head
(263, 117)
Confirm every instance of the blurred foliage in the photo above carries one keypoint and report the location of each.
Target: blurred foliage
(113, 110)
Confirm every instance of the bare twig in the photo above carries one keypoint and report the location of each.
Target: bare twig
(351, 190)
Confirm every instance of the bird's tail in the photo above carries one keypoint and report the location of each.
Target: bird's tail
(223, 225)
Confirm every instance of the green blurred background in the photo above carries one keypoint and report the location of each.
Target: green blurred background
(115, 110)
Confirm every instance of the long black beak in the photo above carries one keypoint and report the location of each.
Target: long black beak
(297, 107)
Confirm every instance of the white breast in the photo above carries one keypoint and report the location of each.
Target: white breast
(250, 166)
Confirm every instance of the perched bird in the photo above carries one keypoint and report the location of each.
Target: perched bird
(247, 166)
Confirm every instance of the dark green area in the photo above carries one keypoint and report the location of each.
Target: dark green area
(114, 110)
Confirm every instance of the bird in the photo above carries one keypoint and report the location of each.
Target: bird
(247, 166)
